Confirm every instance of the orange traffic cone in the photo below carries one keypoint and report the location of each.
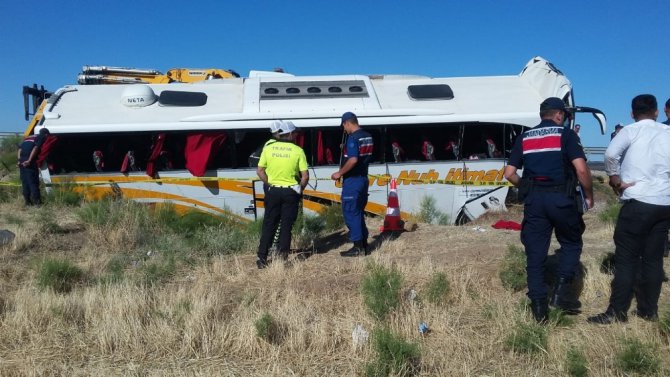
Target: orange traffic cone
(392, 221)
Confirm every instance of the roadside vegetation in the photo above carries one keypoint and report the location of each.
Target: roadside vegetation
(9, 177)
(429, 213)
(113, 287)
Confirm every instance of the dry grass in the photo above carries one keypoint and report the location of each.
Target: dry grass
(201, 322)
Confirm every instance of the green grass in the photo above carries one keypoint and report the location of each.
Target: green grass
(438, 288)
(64, 195)
(115, 270)
(59, 275)
(307, 229)
(46, 222)
(381, 290)
(575, 363)
(111, 212)
(513, 269)
(157, 270)
(664, 322)
(527, 338)
(638, 357)
(11, 191)
(559, 319)
(429, 213)
(13, 219)
(610, 213)
(8, 147)
(222, 240)
(333, 217)
(186, 224)
(394, 355)
(268, 328)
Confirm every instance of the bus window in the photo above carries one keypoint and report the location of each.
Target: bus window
(512, 131)
(422, 143)
(378, 150)
(248, 143)
(327, 151)
(481, 141)
(95, 152)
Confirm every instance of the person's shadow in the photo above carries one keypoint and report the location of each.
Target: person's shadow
(551, 276)
(337, 239)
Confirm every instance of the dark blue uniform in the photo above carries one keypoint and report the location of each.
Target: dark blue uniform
(545, 154)
(30, 174)
(355, 184)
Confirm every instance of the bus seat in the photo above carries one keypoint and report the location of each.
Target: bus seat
(129, 163)
(98, 160)
(491, 149)
(452, 150)
(428, 150)
(164, 162)
(398, 152)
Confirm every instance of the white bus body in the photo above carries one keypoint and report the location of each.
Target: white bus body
(469, 122)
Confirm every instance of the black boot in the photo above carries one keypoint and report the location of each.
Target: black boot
(540, 310)
(564, 299)
(366, 248)
(610, 316)
(356, 250)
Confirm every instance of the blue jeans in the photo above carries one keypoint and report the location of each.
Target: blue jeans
(354, 200)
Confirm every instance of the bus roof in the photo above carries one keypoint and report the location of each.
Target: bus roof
(308, 101)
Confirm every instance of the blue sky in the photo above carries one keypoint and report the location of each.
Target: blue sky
(610, 50)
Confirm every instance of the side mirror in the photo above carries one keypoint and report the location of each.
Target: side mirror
(599, 115)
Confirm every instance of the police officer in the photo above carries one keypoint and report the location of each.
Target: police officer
(553, 162)
(357, 155)
(280, 164)
(28, 170)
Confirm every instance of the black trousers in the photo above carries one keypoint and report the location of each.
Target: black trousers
(30, 182)
(281, 205)
(639, 236)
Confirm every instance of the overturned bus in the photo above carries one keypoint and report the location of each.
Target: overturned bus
(190, 143)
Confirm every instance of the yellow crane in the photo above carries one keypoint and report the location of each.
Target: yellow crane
(93, 75)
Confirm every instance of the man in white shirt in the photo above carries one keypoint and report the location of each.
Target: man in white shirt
(638, 164)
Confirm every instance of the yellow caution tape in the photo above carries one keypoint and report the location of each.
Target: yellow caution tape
(404, 181)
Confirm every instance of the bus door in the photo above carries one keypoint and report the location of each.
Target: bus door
(255, 209)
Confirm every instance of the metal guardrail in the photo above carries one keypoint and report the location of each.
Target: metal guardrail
(593, 152)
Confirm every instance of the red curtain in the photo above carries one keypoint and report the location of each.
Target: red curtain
(47, 147)
(125, 164)
(300, 139)
(155, 152)
(200, 148)
(324, 152)
(319, 148)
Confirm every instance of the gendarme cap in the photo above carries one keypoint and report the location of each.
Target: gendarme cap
(347, 116)
(552, 103)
